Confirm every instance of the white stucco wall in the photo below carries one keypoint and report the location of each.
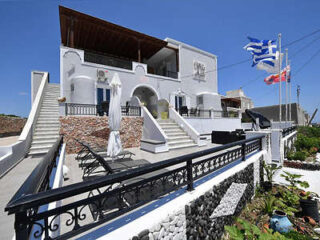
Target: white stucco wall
(207, 125)
(83, 75)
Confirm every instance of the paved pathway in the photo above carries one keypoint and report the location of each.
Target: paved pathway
(6, 141)
(9, 184)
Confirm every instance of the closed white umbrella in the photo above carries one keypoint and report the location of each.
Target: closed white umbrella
(114, 143)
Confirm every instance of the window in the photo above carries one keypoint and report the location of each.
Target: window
(199, 100)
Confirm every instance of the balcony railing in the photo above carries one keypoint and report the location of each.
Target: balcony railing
(206, 113)
(107, 60)
(110, 196)
(93, 109)
(289, 130)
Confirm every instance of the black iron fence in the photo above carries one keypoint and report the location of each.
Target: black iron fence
(289, 130)
(36, 184)
(110, 196)
(206, 113)
(93, 109)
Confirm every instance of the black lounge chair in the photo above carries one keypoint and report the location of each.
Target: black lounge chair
(184, 110)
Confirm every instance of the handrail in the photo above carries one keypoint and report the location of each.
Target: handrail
(41, 198)
(36, 180)
(34, 109)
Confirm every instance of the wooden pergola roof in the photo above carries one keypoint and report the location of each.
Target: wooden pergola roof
(82, 31)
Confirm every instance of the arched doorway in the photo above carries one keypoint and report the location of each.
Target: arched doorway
(148, 97)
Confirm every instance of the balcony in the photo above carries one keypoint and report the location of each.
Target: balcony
(77, 109)
(107, 60)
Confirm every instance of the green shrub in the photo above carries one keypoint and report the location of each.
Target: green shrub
(297, 236)
(297, 156)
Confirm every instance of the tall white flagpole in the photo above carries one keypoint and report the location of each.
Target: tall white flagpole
(286, 118)
(279, 38)
(290, 93)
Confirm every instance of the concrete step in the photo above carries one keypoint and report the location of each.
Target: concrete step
(44, 133)
(49, 129)
(161, 121)
(47, 121)
(48, 126)
(173, 130)
(177, 138)
(182, 146)
(49, 111)
(167, 124)
(176, 134)
(170, 127)
(180, 142)
(41, 146)
(45, 137)
(38, 152)
(48, 118)
(44, 141)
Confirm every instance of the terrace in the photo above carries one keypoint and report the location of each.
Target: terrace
(43, 207)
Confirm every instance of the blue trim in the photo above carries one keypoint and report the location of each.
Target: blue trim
(154, 205)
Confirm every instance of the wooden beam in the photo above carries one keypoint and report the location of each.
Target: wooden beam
(139, 51)
(72, 33)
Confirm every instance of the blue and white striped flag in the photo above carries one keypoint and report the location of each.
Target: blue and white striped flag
(264, 54)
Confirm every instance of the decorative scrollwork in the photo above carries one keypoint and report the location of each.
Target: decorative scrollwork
(38, 233)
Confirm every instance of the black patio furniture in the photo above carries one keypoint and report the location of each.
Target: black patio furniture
(263, 121)
(183, 110)
(194, 112)
(103, 108)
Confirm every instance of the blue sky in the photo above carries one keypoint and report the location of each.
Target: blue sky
(30, 40)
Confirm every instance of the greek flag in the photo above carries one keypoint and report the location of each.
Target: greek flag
(264, 54)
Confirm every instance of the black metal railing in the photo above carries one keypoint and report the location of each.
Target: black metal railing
(289, 130)
(107, 60)
(113, 195)
(38, 182)
(93, 109)
(206, 113)
(170, 74)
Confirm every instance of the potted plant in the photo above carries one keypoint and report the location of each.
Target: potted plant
(269, 170)
(308, 204)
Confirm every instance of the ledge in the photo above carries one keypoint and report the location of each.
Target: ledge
(154, 142)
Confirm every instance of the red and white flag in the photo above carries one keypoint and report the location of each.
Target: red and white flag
(272, 79)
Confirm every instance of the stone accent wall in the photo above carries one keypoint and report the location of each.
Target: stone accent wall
(205, 217)
(94, 131)
(11, 126)
(302, 165)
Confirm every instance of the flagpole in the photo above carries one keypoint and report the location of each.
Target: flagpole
(290, 93)
(279, 38)
(286, 118)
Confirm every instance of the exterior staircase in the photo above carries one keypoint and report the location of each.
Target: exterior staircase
(177, 137)
(47, 126)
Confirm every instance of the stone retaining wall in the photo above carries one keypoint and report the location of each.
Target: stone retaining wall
(11, 126)
(301, 165)
(95, 131)
(205, 217)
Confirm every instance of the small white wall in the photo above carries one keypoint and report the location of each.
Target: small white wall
(153, 133)
(13, 154)
(277, 146)
(207, 125)
(282, 125)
